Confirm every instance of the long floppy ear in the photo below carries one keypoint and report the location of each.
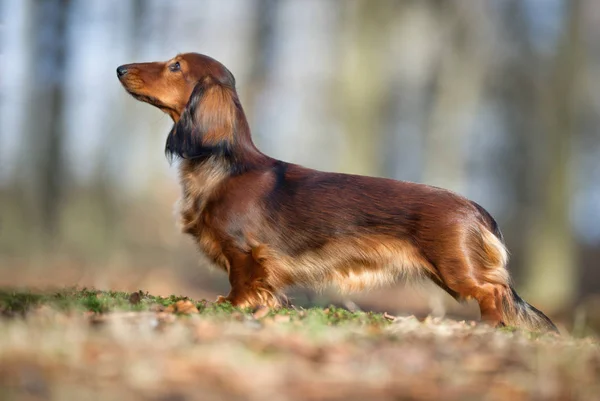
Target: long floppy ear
(208, 123)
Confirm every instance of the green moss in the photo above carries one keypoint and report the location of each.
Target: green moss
(13, 302)
(19, 303)
(508, 329)
(331, 316)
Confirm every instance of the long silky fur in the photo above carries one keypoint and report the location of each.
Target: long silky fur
(271, 224)
(185, 140)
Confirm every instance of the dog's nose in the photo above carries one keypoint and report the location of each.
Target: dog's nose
(121, 70)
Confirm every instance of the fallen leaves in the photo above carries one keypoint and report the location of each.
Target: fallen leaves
(255, 356)
(261, 312)
(184, 307)
(135, 297)
(281, 318)
(389, 317)
(176, 348)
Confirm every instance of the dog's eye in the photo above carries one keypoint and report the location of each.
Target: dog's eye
(175, 67)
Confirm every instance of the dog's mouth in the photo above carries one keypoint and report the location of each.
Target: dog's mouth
(150, 100)
(135, 86)
(145, 98)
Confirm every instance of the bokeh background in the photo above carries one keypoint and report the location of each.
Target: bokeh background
(498, 100)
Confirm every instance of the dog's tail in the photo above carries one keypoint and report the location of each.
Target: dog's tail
(517, 312)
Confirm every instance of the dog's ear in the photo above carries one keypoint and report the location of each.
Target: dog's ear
(207, 124)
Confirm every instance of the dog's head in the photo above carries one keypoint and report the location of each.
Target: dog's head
(168, 85)
(199, 94)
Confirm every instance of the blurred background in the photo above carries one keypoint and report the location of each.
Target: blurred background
(498, 100)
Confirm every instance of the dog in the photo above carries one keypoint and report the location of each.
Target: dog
(271, 224)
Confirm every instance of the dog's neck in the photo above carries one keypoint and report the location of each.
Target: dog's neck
(224, 138)
(237, 155)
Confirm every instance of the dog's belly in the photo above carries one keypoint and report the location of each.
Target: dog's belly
(352, 264)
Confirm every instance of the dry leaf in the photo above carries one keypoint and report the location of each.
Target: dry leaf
(135, 298)
(183, 306)
(186, 307)
(388, 316)
(281, 318)
(261, 312)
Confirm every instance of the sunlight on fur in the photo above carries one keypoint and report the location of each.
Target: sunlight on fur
(351, 264)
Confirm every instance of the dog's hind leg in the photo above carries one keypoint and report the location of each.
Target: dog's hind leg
(472, 264)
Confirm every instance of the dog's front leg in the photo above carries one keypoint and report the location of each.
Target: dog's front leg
(249, 282)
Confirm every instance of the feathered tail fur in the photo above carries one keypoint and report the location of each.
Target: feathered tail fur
(519, 313)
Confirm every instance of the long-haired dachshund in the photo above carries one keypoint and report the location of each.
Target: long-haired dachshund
(271, 224)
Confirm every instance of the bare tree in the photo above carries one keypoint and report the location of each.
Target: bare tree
(363, 86)
(44, 133)
(459, 87)
(551, 259)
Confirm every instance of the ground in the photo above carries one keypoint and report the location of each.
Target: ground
(80, 344)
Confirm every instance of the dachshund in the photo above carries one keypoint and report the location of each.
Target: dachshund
(270, 224)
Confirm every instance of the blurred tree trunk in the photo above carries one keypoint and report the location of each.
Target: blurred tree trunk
(415, 44)
(457, 95)
(44, 126)
(260, 42)
(53, 172)
(514, 85)
(550, 260)
(364, 84)
(104, 183)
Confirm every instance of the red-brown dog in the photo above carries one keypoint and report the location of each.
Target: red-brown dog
(271, 224)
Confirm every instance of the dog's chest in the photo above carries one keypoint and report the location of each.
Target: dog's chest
(199, 184)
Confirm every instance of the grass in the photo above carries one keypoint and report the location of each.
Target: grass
(19, 303)
(15, 303)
